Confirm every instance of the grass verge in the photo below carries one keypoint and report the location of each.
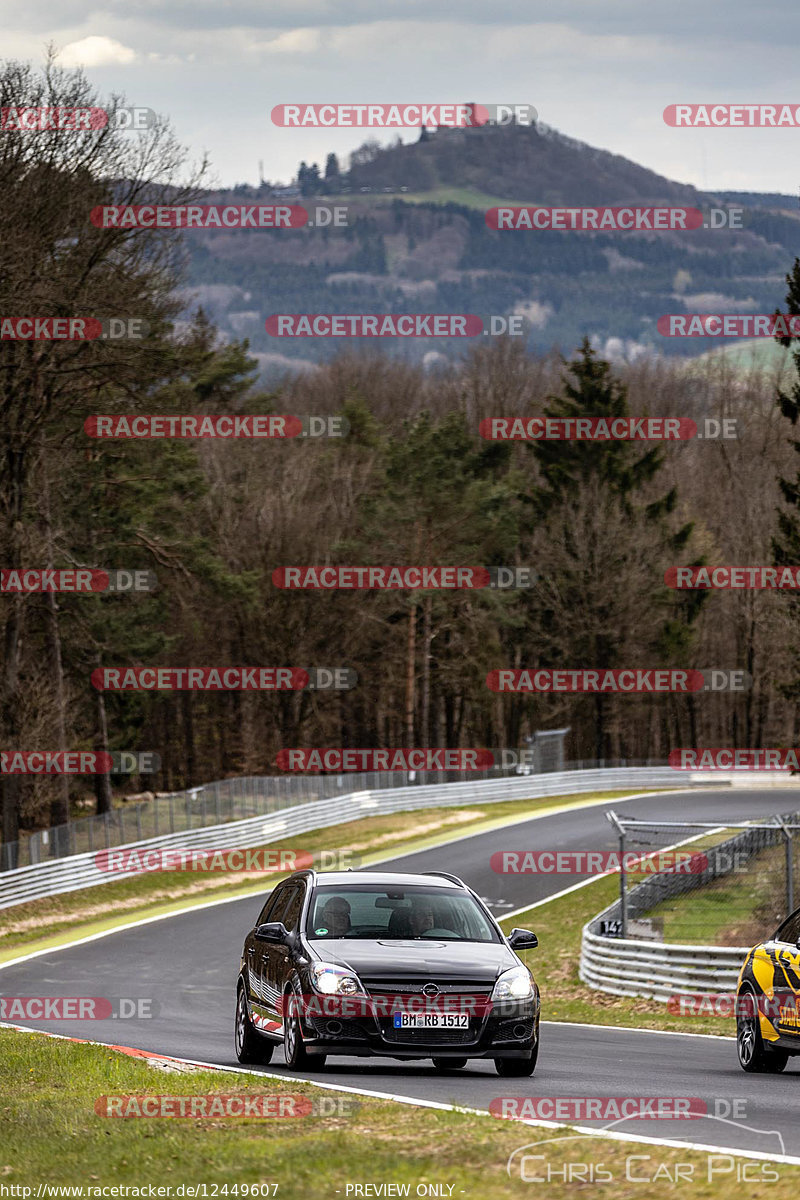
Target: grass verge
(51, 1134)
(739, 909)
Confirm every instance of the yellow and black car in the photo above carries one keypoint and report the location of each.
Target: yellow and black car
(768, 1001)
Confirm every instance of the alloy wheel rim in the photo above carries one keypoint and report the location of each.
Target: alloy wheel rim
(747, 1037)
(240, 1022)
(290, 1033)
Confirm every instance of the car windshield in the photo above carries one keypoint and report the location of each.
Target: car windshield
(395, 913)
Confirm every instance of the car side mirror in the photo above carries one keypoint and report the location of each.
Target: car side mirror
(273, 931)
(522, 939)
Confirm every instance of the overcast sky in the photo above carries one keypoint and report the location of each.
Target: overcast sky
(601, 71)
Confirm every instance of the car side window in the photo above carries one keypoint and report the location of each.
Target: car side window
(291, 913)
(789, 930)
(273, 899)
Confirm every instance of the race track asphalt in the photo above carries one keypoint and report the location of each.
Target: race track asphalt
(188, 964)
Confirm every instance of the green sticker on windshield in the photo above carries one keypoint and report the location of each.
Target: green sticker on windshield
(321, 932)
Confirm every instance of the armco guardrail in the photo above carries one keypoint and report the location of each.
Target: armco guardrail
(81, 871)
(658, 970)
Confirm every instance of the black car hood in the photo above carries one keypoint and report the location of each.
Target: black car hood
(396, 959)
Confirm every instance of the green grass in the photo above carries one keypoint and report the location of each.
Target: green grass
(466, 197)
(50, 1133)
(54, 920)
(753, 354)
(739, 909)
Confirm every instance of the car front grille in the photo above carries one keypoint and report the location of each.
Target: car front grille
(479, 988)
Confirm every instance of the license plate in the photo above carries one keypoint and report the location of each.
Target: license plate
(431, 1020)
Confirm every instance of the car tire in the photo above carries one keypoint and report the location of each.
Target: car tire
(250, 1046)
(754, 1055)
(449, 1064)
(515, 1068)
(294, 1050)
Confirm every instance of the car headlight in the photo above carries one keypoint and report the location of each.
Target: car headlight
(335, 981)
(515, 984)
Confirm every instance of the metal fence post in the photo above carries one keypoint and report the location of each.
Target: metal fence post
(788, 847)
(623, 875)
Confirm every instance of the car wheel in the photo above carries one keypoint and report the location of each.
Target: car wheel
(250, 1047)
(513, 1068)
(449, 1064)
(294, 1050)
(754, 1056)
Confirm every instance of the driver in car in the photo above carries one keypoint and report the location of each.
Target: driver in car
(336, 916)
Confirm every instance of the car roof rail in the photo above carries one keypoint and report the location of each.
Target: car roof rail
(446, 875)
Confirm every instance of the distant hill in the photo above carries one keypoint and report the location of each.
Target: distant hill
(417, 241)
(526, 164)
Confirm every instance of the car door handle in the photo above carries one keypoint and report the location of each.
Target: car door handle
(251, 950)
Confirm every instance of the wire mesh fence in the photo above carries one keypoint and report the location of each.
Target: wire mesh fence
(721, 885)
(242, 797)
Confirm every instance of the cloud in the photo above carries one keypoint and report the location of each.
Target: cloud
(538, 314)
(294, 41)
(703, 302)
(96, 52)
